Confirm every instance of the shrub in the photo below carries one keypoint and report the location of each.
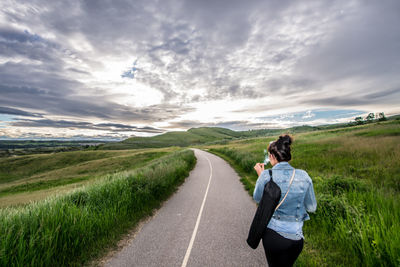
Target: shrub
(337, 185)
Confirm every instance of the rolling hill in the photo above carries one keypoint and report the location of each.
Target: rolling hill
(213, 135)
(194, 136)
(198, 136)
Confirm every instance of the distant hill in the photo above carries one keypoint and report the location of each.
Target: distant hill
(198, 136)
(194, 136)
(210, 135)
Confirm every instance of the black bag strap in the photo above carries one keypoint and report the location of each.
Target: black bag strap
(290, 184)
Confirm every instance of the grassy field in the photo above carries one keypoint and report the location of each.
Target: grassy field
(95, 195)
(356, 176)
(34, 177)
(27, 147)
(73, 228)
(214, 135)
(198, 136)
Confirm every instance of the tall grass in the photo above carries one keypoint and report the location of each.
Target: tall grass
(39, 176)
(15, 168)
(357, 185)
(355, 224)
(71, 229)
(46, 166)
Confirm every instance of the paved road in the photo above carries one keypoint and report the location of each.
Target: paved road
(205, 223)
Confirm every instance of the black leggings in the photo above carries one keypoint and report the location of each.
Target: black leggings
(280, 251)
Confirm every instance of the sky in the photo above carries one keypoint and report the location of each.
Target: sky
(116, 69)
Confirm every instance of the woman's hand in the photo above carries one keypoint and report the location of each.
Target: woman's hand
(259, 167)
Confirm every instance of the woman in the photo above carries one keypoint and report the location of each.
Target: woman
(283, 238)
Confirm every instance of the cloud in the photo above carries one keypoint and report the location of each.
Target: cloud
(358, 99)
(13, 111)
(112, 127)
(308, 115)
(154, 62)
(78, 71)
(313, 117)
(67, 104)
(233, 125)
(14, 42)
(357, 55)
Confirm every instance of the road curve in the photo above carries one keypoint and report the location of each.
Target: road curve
(205, 223)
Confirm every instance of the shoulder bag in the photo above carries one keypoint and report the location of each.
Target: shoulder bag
(268, 205)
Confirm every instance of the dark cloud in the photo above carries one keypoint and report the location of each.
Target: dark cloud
(78, 71)
(156, 81)
(96, 137)
(175, 45)
(13, 111)
(357, 99)
(340, 101)
(383, 94)
(15, 42)
(112, 127)
(357, 53)
(366, 39)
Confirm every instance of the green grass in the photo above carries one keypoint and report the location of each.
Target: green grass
(35, 186)
(381, 132)
(41, 172)
(356, 176)
(71, 229)
(21, 167)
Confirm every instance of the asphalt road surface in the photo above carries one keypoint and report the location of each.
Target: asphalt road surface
(205, 223)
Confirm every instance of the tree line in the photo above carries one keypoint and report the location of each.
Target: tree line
(371, 117)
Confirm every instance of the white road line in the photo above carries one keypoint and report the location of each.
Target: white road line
(189, 249)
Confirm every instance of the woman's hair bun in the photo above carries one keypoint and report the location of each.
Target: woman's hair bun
(286, 139)
(281, 148)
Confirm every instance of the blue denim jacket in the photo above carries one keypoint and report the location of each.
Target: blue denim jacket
(288, 218)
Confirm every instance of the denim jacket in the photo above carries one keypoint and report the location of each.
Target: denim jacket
(289, 217)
